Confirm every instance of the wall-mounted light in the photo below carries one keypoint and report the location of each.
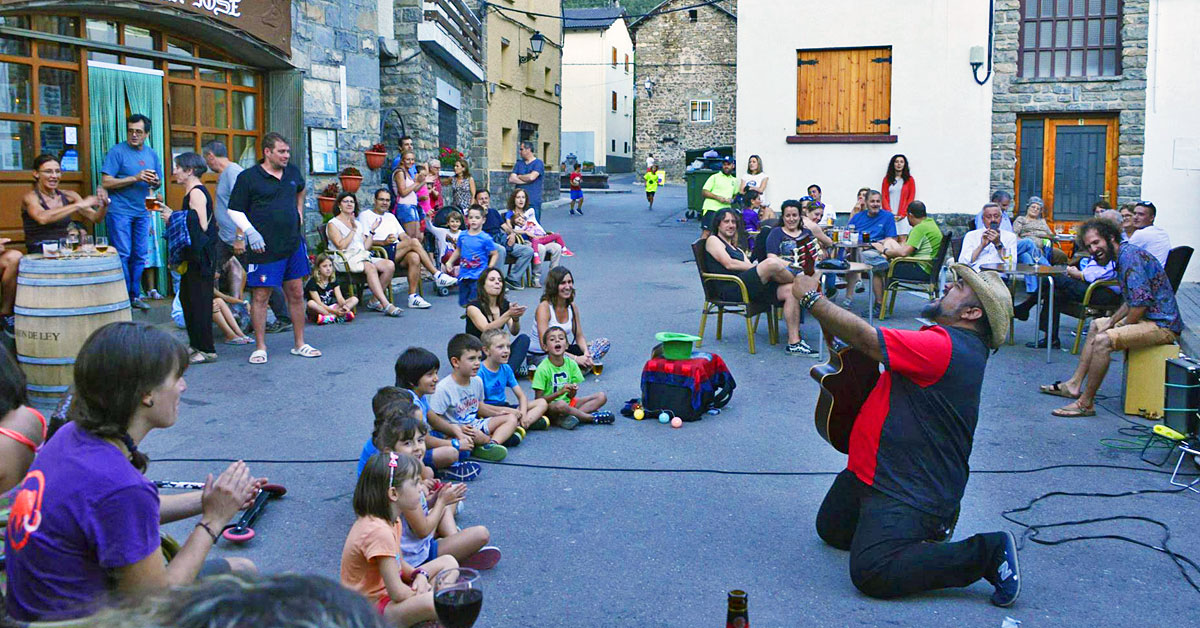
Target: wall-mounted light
(536, 43)
(649, 85)
(979, 55)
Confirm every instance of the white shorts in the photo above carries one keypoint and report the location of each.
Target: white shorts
(480, 424)
(902, 227)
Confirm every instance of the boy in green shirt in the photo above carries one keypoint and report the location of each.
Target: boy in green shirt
(651, 178)
(557, 381)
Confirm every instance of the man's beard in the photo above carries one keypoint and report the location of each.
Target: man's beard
(932, 310)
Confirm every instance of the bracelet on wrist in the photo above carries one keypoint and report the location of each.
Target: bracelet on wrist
(201, 524)
(810, 299)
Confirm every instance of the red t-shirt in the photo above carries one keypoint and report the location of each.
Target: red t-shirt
(576, 180)
(913, 436)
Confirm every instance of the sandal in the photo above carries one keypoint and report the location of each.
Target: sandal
(375, 305)
(393, 311)
(306, 351)
(241, 340)
(200, 357)
(259, 356)
(1073, 411)
(1057, 390)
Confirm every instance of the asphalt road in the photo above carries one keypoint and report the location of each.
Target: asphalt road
(634, 540)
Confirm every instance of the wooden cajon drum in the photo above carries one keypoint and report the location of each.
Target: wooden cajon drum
(1145, 372)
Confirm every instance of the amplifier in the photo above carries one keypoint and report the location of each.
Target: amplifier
(1181, 396)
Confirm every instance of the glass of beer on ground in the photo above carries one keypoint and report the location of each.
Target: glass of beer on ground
(597, 369)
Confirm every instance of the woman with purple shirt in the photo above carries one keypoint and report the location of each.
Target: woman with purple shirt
(84, 525)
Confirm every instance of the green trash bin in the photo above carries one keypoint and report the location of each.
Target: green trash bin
(695, 184)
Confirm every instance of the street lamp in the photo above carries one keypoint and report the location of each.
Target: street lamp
(536, 43)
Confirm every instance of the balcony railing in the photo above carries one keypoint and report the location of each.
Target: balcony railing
(456, 33)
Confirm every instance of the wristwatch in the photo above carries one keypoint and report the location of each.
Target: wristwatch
(239, 238)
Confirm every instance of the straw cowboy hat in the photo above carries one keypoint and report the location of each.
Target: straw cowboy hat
(992, 292)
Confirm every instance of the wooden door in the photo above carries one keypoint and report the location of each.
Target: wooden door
(1069, 161)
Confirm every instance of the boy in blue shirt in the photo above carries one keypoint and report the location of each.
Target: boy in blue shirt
(498, 377)
(476, 251)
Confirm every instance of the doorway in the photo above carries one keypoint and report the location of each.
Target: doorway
(1070, 161)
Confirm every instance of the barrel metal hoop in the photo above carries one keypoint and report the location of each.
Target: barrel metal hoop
(33, 388)
(71, 281)
(61, 267)
(82, 311)
(28, 359)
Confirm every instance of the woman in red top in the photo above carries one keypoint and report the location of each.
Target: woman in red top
(899, 189)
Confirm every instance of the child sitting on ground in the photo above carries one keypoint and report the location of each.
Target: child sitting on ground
(429, 530)
(325, 302)
(498, 377)
(371, 563)
(557, 381)
(457, 408)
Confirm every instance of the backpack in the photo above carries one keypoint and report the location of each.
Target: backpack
(178, 239)
(686, 388)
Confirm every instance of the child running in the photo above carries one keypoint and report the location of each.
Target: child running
(476, 251)
(457, 408)
(557, 377)
(498, 377)
(651, 178)
(371, 563)
(325, 302)
(416, 373)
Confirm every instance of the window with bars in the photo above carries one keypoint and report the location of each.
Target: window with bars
(1070, 38)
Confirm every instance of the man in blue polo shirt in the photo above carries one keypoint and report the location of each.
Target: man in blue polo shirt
(876, 224)
(131, 170)
(267, 204)
(527, 175)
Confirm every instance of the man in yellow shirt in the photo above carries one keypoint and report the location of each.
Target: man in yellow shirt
(651, 178)
(718, 193)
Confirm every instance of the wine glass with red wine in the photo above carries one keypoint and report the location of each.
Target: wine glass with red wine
(457, 597)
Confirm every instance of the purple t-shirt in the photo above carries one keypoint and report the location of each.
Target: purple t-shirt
(96, 513)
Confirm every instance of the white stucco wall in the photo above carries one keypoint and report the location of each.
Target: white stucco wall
(1171, 165)
(588, 82)
(941, 117)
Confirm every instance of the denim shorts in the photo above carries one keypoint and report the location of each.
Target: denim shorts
(408, 213)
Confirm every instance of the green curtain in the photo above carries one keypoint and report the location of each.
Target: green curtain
(110, 91)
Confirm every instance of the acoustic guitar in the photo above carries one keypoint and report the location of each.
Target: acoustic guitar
(845, 380)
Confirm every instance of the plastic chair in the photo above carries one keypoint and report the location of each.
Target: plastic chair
(714, 304)
(892, 284)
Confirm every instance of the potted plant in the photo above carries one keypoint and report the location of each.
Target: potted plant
(351, 178)
(448, 156)
(588, 166)
(327, 198)
(376, 156)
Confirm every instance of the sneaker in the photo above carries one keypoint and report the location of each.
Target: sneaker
(139, 304)
(567, 252)
(568, 423)
(801, 348)
(522, 371)
(484, 559)
(415, 302)
(860, 287)
(540, 425)
(463, 471)
(340, 319)
(518, 435)
(491, 452)
(154, 294)
(513, 285)
(603, 417)
(443, 280)
(580, 210)
(1007, 578)
(278, 326)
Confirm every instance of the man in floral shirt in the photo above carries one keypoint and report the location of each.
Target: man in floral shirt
(1148, 315)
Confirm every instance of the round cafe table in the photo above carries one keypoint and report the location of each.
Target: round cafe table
(1039, 271)
(855, 267)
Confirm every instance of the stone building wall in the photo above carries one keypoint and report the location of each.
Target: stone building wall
(325, 35)
(409, 91)
(667, 54)
(1124, 94)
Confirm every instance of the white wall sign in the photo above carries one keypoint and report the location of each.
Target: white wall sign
(448, 94)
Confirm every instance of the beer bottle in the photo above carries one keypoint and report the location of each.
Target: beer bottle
(737, 616)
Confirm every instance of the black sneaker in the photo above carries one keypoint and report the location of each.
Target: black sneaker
(280, 325)
(1041, 344)
(802, 348)
(1007, 577)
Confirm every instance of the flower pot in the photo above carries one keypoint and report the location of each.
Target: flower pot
(375, 160)
(325, 204)
(350, 183)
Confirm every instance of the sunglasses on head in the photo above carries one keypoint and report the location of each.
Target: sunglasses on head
(1146, 204)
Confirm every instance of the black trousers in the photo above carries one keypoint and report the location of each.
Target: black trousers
(196, 298)
(895, 549)
(1071, 289)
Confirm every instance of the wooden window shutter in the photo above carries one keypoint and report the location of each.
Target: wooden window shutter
(614, 101)
(614, 61)
(843, 91)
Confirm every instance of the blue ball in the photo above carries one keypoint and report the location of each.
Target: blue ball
(664, 417)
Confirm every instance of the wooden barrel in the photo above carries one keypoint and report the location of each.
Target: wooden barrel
(60, 302)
